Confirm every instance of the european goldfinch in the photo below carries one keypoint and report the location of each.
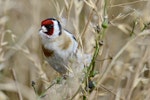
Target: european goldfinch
(58, 44)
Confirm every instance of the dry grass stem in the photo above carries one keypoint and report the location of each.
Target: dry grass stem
(113, 59)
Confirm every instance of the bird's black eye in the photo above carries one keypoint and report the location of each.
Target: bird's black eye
(48, 27)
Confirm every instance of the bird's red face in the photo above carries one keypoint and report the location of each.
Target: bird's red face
(48, 26)
(50, 29)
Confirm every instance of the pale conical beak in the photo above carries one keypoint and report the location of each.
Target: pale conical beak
(43, 28)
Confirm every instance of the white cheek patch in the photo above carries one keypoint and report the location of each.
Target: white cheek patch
(56, 28)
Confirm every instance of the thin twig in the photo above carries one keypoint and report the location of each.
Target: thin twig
(89, 19)
(16, 84)
(129, 3)
(103, 76)
(103, 87)
(69, 9)
(43, 93)
(76, 92)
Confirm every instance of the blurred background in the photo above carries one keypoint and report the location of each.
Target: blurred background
(124, 61)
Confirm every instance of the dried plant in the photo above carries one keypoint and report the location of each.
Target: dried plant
(114, 50)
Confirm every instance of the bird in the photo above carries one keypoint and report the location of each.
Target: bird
(58, 44)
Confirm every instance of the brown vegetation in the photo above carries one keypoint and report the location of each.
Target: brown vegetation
(123, 61)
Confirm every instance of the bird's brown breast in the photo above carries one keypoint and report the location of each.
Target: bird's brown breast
(47, 52)
(66, 43)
